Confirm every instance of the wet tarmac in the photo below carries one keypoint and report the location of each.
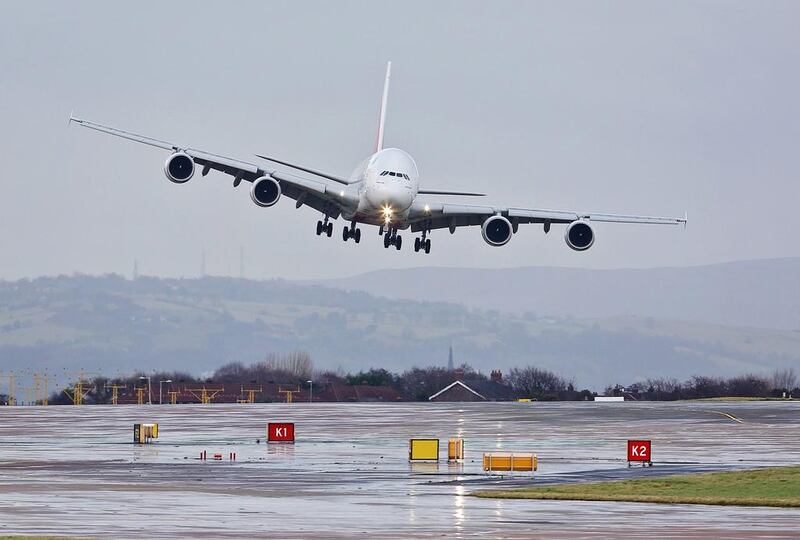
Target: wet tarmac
(73, 470)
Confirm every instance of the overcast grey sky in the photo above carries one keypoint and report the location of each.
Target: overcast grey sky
(630, 107)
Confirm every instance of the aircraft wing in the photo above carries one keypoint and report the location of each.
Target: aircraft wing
(444, 215)
(323, 194)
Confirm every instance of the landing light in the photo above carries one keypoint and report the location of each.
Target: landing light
(341, 193)
(427, 209)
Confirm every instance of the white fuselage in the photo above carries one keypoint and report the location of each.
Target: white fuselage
(387, 183)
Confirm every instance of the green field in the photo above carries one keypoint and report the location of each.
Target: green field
(735, 398)
(761, 487)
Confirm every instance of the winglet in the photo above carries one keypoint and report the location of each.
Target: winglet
(685, 218)
(71, 117)
(384, 99)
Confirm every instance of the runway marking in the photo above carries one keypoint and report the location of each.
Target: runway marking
(729, 416)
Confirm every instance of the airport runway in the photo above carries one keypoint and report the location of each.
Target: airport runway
(73, 471)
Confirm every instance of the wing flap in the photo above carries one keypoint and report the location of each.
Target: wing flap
(226, 162)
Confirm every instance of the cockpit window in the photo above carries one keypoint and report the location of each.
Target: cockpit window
(393, 173)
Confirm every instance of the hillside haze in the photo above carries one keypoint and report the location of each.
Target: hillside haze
(758, 293)
(114, 325)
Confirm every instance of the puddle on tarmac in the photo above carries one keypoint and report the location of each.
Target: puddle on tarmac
(73, 470)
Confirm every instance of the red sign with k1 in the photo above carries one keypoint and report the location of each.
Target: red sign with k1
(280, 432)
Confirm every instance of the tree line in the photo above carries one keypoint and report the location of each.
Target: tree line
(296, 370)
(782, 383)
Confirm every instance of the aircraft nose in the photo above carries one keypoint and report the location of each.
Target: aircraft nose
(378, 195)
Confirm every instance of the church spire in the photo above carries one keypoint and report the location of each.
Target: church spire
(450, 365)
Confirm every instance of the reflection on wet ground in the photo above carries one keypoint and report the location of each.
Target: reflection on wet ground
(73, 470)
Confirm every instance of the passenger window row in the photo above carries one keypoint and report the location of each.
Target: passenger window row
(392, 173)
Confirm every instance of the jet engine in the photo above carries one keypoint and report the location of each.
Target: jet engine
(179, 167)
(579, 236)
(497, 231)
(265, 191)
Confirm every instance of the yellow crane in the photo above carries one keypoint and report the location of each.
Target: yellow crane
(28, 392)
(173, 396)
(41, 382)
(78, 392)
(11, 394)
(115, 388)
(289, 393)
(205, 394)
(250, 393)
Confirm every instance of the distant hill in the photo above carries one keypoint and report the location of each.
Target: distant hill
(759, 293)
(114, 325)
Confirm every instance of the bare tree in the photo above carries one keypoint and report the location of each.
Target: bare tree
(535, 382)
(749, 386)
(297, 363)
(784, 379)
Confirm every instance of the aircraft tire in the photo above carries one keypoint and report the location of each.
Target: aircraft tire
(428, 245)
(319, 228)
(357, 236)
(329, 230)
(345, 233)
(398, 242)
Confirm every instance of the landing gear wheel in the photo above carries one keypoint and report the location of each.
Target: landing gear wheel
(319, 228)
(398, 242)
(345, 234)
(329, 230)
(357, 236)
(428, 245)
(416, 244)
(386, 240)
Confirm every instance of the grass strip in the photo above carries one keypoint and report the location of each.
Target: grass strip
(778, 487)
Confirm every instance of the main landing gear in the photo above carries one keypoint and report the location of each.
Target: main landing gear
(423, 243)
(325, 227)
(351, 232)
(391, 238)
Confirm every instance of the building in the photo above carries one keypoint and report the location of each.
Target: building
(475, 390)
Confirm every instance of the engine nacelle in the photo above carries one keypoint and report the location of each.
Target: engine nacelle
(265, 191)
(497, 231)
(579, 235)
(179, 167)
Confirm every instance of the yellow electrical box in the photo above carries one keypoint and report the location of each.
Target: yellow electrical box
(423, 450)
(524, 400)
(504, 461)
(455, 450)
(144, 433)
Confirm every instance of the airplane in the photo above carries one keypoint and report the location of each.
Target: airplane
(384, 190)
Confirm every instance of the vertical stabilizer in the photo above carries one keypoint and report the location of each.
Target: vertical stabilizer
(384, 99)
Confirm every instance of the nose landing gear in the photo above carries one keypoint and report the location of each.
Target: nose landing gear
(351, 232)
(391, 238)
